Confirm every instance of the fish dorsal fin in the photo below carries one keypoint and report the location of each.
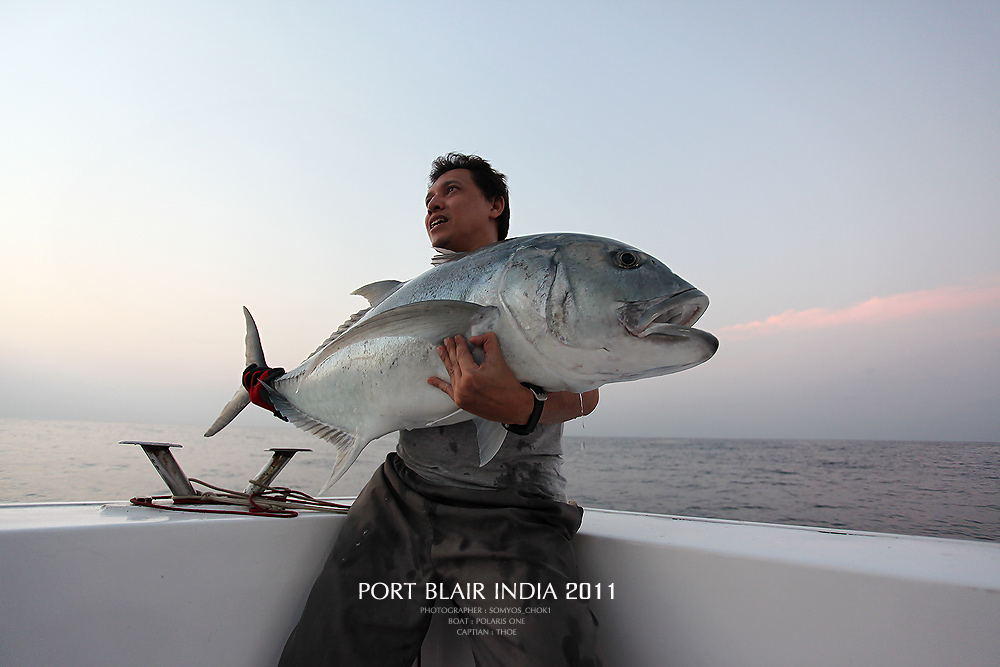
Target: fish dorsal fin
(377, 292)
(444, 256)
(425, 320)
(351, 321)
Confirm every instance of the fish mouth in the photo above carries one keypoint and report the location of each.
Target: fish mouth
(665, 315)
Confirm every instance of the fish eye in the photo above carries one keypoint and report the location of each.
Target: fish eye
(627, 259)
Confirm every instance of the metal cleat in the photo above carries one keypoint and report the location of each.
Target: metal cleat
(171, 473)
(279, 459)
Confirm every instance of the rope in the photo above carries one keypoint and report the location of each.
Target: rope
(279, 502)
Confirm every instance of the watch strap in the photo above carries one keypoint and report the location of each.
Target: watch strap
(536, 412)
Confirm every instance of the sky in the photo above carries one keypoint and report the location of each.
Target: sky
(827, 172)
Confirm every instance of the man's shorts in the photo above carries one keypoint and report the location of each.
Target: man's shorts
(498, 561)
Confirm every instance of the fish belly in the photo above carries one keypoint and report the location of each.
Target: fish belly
(374, 387)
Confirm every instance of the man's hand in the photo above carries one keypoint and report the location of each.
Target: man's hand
(490, 390)
(487, 390)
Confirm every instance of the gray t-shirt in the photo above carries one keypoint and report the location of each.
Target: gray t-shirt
(449, 455)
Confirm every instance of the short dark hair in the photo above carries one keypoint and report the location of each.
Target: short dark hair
(490, 181)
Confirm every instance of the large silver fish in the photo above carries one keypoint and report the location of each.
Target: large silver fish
(571, 312)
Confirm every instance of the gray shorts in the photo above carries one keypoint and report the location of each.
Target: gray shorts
(474, 548)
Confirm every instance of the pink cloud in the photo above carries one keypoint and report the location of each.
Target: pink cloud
(906, 306)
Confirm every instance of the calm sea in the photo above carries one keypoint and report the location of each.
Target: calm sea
(940, 489)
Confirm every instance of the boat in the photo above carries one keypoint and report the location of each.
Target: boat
(120, 583)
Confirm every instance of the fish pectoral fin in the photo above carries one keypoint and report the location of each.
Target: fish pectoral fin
(490, 436)
(455, 417)
(432, 321)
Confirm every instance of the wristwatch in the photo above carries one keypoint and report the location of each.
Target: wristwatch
(536, 412)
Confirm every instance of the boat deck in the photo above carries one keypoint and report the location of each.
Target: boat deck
(106, 584)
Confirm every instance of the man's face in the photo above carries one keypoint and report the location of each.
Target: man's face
(459, 216)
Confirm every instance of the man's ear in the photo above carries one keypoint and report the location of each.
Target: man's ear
(497, 206)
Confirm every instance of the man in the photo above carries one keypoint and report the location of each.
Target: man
(461, 218)
(433, 518)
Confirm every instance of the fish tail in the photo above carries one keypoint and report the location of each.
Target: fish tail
(255, 353)
(241, 399)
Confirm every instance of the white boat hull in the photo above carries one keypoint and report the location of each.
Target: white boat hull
(101, 585)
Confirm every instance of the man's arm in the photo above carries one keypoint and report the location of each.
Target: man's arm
(491, 391)
(563, 406)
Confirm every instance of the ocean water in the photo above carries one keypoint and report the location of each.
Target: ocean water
(938, 489)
